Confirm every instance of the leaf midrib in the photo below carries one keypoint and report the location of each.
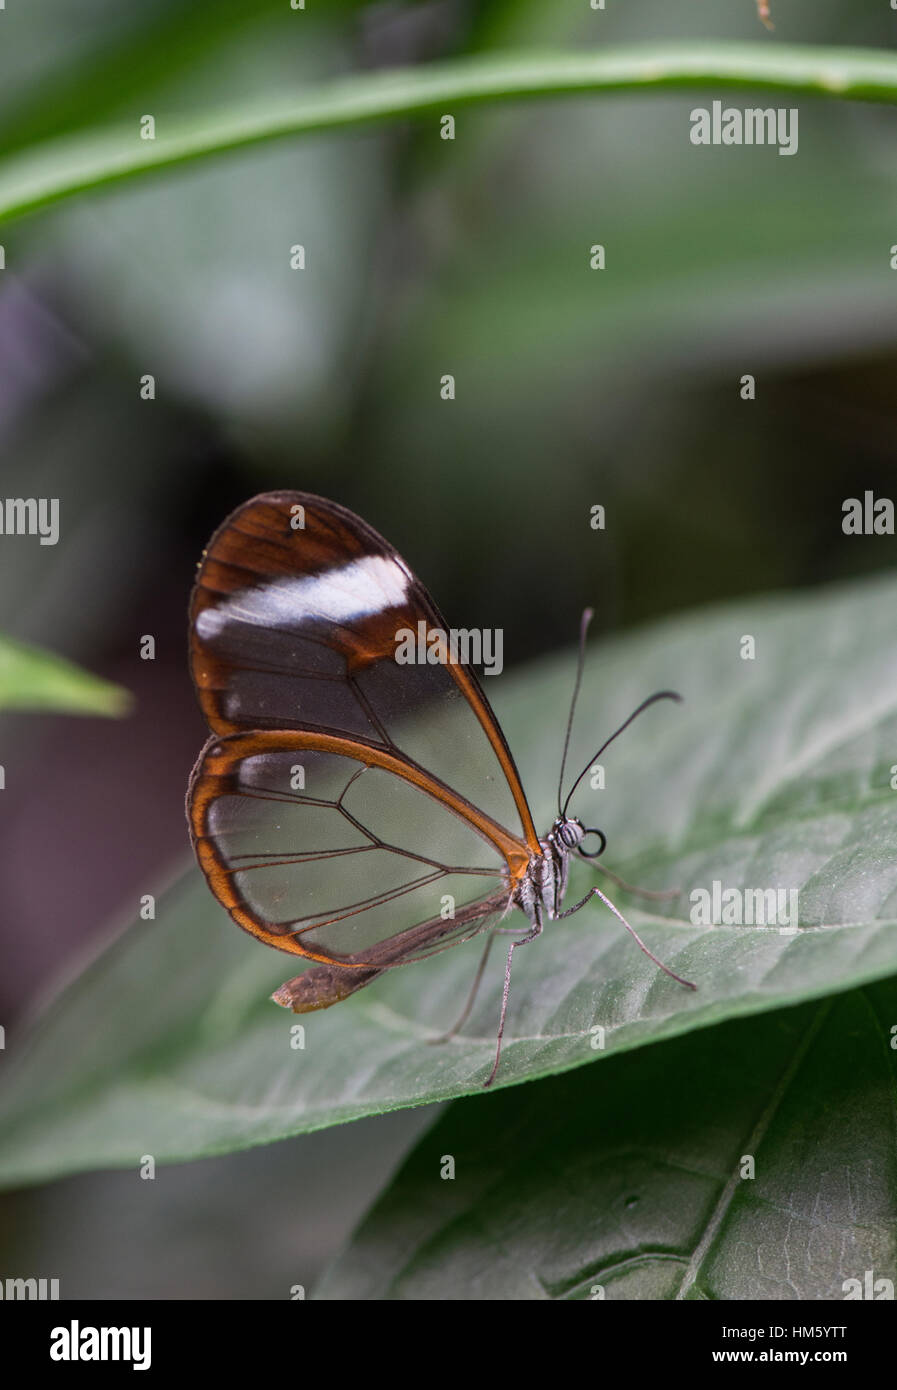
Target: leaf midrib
(752, 1145)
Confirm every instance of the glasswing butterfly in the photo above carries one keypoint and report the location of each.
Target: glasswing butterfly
(355, 810)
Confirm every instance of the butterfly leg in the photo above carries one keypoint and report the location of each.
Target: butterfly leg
(597, 893)
(460, 1022)
(521, 941)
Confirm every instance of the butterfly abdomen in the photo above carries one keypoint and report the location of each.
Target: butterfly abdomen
(321, 987)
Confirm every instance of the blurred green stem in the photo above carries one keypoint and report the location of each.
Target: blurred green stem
(55, 169)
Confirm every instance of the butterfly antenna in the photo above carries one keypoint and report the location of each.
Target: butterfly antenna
(651, 700)
(588, 615)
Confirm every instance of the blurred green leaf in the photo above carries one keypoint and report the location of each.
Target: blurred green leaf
(31, 679)
(62, 69)
(48, 172)
(631, 1181)
(775, 773)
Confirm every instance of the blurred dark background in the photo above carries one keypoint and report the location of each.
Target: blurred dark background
(423, 257)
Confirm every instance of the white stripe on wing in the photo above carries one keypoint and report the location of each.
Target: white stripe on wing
(357, 590)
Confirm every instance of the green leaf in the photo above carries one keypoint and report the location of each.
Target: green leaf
(31, 679)
(55, 169)
(775, 773)
(56, 75)
(632, 1181)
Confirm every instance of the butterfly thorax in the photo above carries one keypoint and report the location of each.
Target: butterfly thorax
(544, 884)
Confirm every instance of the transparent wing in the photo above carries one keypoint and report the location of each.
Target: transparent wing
(296, 626)
(340, 852)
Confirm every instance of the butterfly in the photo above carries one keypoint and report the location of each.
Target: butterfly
(764, 14)
(357, 804)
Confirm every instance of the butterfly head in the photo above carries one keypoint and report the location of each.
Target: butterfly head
(569, 834)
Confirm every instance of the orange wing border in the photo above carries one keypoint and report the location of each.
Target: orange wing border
(214, 768)
(206, 675)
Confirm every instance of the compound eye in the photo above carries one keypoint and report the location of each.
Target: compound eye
(594, 853)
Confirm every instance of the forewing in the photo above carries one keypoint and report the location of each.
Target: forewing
(294, 623)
